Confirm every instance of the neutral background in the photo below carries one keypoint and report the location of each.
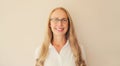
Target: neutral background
(23, 22)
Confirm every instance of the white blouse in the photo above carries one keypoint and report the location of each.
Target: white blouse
(64, 58)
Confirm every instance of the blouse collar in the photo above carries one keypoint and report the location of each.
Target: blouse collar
(66, 44)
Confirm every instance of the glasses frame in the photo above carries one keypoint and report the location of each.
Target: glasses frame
(56, 20)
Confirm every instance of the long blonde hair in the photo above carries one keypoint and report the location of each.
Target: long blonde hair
(70, 35)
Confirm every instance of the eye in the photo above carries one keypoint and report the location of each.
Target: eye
(65, 20)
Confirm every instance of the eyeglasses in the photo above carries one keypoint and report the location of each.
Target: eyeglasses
(56, 20)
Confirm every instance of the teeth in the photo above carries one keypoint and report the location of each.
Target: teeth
(59, 29)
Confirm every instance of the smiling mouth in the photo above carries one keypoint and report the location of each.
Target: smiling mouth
(59, 29)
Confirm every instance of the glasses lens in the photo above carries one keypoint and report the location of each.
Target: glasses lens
(57, 20)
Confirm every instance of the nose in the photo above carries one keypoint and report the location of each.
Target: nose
(59, 23)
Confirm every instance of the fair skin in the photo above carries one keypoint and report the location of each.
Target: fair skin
(59, 28)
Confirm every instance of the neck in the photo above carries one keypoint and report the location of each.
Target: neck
(59, 40)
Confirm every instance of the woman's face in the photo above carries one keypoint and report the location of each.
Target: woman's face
(59, 23)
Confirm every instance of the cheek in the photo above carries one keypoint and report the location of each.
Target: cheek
(52, 25)
(66, 26)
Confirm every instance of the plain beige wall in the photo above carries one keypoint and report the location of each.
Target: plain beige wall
(22, 27)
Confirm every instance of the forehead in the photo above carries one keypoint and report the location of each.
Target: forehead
(59, 14)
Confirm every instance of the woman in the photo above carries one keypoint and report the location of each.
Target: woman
(60, 47)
